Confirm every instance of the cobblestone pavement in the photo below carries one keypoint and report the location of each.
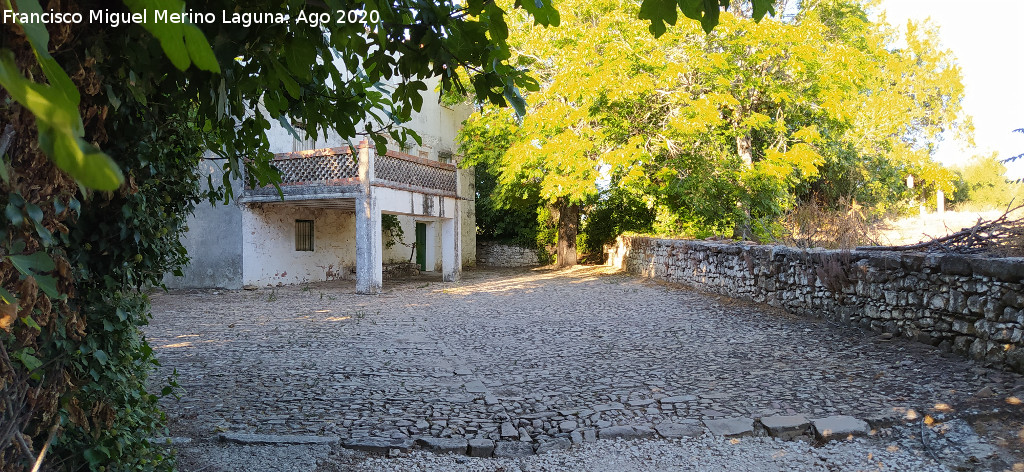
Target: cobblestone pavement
(527, 355)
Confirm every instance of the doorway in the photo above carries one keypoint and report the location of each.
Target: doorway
(421, 246)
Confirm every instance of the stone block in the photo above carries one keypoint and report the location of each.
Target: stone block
(481, 447)
(242, 438)
(955, 264)
(786, 427)
(476, 386)
(378, 445)
(508, 431)
(625, 432)
(731, 427)
(513, 449)
(1009, 269)
(690, 428)
(443, 445)
(555, 444)
(839, 427)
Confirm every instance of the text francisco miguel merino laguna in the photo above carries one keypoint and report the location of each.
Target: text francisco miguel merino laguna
(115, 19)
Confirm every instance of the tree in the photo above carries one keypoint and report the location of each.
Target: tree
(723, 132)
(984, 179)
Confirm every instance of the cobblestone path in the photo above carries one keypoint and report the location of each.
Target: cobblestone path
(525, 355)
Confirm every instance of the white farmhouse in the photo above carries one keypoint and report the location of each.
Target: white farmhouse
(328, 224)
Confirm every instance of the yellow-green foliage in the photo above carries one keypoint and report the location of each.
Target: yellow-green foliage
(731, 127)
(984, 178)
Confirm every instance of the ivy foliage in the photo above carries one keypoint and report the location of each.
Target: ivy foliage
(99, 174)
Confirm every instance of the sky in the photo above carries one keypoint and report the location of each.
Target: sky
(987, 38)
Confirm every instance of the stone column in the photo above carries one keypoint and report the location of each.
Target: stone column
(451, 243)
(369, 247)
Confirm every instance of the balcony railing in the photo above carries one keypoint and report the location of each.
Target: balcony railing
(305, 170)
(414, 173)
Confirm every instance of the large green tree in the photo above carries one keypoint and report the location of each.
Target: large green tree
(725, 131)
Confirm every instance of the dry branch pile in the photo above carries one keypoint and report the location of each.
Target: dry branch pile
(1003, 236)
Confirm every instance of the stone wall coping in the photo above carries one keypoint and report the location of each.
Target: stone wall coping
(1006, 269)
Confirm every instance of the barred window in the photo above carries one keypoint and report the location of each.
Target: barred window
(303, 235)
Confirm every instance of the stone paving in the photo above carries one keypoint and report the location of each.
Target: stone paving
(543, 357)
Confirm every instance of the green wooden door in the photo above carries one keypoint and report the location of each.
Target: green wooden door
(421, 245)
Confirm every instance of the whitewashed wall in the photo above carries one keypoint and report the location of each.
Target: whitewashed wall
(268, 242)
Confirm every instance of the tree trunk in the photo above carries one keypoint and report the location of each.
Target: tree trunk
(568, 226)
(745, 148)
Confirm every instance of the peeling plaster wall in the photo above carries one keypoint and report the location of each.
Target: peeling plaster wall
(268, 233)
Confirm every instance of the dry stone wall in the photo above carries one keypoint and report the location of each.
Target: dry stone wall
(967, 304)
(496, 254)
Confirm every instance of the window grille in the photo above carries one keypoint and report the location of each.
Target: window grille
(303, 235)
(306, 142)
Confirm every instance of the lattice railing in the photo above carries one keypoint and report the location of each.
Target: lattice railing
(337, 166)
(320, 169)
(416, 172)
(316, 167)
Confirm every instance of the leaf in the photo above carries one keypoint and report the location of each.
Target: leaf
(100, 356)
(60, 128)
(34, 212)
(6, 297)
(39, 39)
(761, 7)
(27, 358)
(543, 11)
(30, 264)
(44, 234)
(13, 215)
(380, 143)
(199, 49)
(659, 12)
(184, 44)
(498, 26)
(112, 98)
(86, 163)
(31, 323)
(515, 99)
(290, 85)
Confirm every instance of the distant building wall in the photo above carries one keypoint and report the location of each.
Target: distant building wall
(213, 241)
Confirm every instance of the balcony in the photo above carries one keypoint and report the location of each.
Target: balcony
(320, 176)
